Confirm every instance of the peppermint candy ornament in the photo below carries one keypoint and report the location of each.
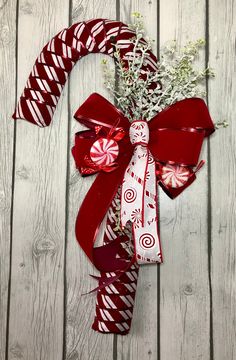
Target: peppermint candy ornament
(104, 151)
(174, 176)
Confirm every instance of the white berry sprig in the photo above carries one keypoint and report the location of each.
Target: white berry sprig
(179, 78)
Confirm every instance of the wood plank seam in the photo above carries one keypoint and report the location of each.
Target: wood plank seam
(209, 211)
(13, 187)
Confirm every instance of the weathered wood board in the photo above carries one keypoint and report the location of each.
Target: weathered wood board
(184, 290)
(7, 140)
(222, 184)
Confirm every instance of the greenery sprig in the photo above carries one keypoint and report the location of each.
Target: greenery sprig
(176, 78)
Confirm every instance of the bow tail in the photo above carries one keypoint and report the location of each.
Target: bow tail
(139, 205)
(90, 217)
(146, 237)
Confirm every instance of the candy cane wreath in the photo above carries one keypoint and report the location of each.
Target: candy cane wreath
(114, 259)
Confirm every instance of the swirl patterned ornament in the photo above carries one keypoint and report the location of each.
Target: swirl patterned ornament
(104, 151)
(147, 241)
(175, 176)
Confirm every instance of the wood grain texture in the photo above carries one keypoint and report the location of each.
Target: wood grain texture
(142, 341)
(7, 103)
(82, 341)
(222, 99)
(36, 311)
(184, 298)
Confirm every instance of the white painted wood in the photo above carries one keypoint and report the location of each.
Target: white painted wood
(142, 341)
(36, 311)
(184, 297)
(82, 341)
(222, 100)
(7, 102)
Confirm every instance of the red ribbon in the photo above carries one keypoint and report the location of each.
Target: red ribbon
(176, 136)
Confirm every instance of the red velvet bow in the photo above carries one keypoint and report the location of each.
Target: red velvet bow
(176, 136)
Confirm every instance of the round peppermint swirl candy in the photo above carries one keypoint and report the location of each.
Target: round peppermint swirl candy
(174, 176)
(104, 151)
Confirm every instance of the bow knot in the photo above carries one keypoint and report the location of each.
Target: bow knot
(139, 133)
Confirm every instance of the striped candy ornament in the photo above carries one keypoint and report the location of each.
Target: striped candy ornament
(104, 151)
(115, 303)
(174, 176)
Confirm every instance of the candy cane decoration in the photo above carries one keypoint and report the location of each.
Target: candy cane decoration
(146, 162)
(37, 105)
(39, 99)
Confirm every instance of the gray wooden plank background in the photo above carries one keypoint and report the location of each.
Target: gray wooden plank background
(185, 308)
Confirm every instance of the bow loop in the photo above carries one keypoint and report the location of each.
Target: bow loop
(97, 111)
(178, 131)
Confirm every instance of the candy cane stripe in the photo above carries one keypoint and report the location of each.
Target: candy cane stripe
(110, 318)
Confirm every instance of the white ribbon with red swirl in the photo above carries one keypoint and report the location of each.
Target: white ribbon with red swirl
(139, 196)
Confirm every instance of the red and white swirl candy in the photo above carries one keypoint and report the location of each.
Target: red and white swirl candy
(174, 176)
(104, 151)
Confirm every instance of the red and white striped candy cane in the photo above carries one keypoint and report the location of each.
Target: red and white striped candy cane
(52, 67)
(37, 105)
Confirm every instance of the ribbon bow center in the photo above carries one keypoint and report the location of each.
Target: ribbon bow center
(139, 133)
